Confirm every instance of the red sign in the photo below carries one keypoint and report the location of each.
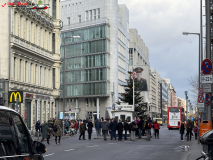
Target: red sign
(29, 95)
(207, 100)
(200, 91)
(200, 99)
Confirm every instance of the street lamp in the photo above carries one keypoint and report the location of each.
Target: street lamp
(188, 33)
(186, 92)
(64, 78)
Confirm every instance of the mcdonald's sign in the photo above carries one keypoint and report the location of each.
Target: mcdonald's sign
(13, 95)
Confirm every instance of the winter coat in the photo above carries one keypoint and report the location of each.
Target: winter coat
(45, 131)
(189, 126)
(182, 128)
(140, 124)
(37, 127)
(66, 123)
(76, 125)
(156, 125)
(126, 125)
(133, 126)
(147, 124)
(105, 126)
(82, 128)
(97, 125)
(120, 128)
(85, 124)
(89, 125)
(58, 124)
(195, 129)
(113, 126)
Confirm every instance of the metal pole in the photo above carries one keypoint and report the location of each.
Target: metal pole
(133, 86)
(186, 107)
(208, 53)
(63, 87)
(201, 31)
(199, 62)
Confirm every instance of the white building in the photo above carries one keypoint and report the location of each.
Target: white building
(30, 59)
(97, 63)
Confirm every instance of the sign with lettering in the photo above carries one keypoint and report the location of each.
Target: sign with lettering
(42, 97)
(124, 108)
(13, 95)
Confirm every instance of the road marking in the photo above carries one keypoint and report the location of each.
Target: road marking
(48, 155)
(69, 150)
(111, 143)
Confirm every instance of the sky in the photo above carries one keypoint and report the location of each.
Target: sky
(160, 24)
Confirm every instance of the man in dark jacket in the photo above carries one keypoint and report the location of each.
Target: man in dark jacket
(89, 126)
(126, 127)
(140, 124)
(189, 128)
(105, 128)
(148, 128)
(37, 127)
(98, 127)
(113, 128)
(120, 130)
(82, 131)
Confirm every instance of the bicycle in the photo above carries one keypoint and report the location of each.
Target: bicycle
(205, 156)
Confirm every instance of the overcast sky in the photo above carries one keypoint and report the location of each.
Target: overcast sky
(160, 24)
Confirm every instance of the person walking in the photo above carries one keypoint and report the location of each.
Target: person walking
(89, 126)
(98, 127)
(120, 128)
(57, 130)
(195, 131)
(182, 128)
(143, 128)
(113, 128)
(148, 128)
(189, 127)
(82, 131)
(133, 130)
(76, 126)
(156, 128)
(37, 127)
(140, 124)
(126, 125)
(105, 128)
(45, 132)
(67, 125)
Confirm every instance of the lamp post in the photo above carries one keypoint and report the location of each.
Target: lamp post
(186, 92)
(64, 78)
(199, 56)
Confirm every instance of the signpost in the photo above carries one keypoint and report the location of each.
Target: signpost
(207, 99)
(206, 67)
(206, 79)
(200, 91)
(207, 88)
(200, 99)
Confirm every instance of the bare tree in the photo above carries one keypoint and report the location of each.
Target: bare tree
(193, 81)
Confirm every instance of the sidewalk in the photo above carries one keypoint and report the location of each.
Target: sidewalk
(195, 151)
(51, 138)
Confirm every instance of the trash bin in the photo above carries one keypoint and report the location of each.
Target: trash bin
(205, 126)
(207, 141)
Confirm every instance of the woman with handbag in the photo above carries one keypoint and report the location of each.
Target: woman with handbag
(133, 129)
(156, 128)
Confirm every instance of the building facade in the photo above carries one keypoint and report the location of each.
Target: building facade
(152, 96)
(164, 98)
(96, 63)
(173, 97)
(30, 59)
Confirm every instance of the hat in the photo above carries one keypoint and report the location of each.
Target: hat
(138, 70)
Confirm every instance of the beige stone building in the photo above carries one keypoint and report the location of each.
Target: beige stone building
(30, 58)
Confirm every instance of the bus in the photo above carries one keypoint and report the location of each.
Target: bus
(175, 117)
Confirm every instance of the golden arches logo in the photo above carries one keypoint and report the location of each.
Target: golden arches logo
(15, 96)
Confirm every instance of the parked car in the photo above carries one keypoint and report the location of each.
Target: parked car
(15, 139)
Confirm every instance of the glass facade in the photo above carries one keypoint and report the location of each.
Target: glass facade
(90, 51)
(130, 56)
(85, 48)
(86, 34)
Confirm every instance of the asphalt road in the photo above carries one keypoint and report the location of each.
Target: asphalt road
(164, 148)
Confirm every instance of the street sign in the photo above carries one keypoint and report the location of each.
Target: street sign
(206, 79)
(70, 109)
(200, 91)
(206, 66)
(207, 88)
(207, 99)
(200, 99)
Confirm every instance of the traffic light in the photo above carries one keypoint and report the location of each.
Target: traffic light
(39, 7)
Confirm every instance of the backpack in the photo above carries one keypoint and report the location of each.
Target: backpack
(150, 125)
(55, 128)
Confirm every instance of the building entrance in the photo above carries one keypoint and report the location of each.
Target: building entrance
(27, 114)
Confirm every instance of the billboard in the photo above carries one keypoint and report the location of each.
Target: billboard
(141, 77)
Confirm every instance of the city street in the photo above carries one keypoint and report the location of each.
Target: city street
(164, 148)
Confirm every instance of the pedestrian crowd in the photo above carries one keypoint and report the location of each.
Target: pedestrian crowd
(104, 127)
(190, 127)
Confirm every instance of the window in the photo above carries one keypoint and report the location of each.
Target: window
(40, 74)
(20, 71)
(94, 12)
(21, 26)
(27, 28)
(90, 13)
(36, 72)
(14, 70)
(53, 77)
(121, 63)
(87, 15)
(68, 20)
(26, 69)
(79, 18)
(121, 76)
(99, 13)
